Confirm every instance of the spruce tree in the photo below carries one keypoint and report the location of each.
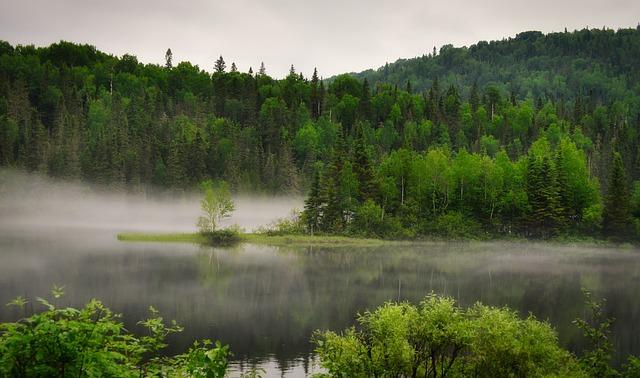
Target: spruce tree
(168, 57)
(365, 100)
(321, 94)
(567, 212)
(363, 169)
(474, 99)
(220, 65)
(541, 186)
(617, 211)
(315, 95)
(333, 216)
(313, 205)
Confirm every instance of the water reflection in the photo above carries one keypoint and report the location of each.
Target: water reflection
(266, 301)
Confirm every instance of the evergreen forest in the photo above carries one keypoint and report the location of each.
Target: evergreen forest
(537, 135)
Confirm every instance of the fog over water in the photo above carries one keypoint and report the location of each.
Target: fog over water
(35, 202)
(266, 301)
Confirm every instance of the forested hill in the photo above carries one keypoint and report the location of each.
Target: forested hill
(590, 62)
(71, 111)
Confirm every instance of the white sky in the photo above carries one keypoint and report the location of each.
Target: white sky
(334, 35)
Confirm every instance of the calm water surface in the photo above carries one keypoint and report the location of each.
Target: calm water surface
(266, 301)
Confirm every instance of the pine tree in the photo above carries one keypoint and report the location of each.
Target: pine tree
(315, 95)
(168, 57)
(312, 214)
(220, 65)
(567, 212)
(363, 170)
(292, 70)
(233, 67)
(287, 172)
(321, 94)
(262, 70)
(365, 100)
(542, 193)
(333, 216)
(617, 211)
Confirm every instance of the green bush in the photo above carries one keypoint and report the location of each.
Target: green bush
(438, 339)
(454, 225)
(291, 225)
(227, 235)
(370, 220)
(91, 341)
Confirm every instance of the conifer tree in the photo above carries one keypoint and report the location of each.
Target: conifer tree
(233, 67)
(542, 194)
(313, 205)
(474, 99)
(168, 57)
(315, 95)
(617, 211)
(220, 65)
(321, 94)
(333, 216)
(365, 100)
(365, 172)
(262, 70)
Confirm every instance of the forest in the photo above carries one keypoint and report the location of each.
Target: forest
(535, 135)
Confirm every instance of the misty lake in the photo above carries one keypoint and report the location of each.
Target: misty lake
(265, 302)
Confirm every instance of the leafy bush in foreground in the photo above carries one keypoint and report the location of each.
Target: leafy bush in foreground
(438, 339)
(91, 341)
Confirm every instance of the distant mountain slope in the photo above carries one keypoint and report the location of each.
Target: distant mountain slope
(605, 63)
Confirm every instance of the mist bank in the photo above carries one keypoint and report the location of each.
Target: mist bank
(35, 202)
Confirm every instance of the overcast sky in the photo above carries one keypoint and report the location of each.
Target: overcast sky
(334, 35)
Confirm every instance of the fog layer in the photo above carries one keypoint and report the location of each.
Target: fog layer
(35, 202)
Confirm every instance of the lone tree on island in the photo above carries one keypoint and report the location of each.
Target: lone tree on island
(216, 205)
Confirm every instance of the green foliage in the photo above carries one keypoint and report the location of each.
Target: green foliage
(216, 205)
(92, 341)
(294, 224)
(455, 225)
(597, 330)
(515, 134)
(617, 211)
(227, 235)
(440, 339)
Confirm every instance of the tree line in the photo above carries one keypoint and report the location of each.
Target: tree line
(71, 111)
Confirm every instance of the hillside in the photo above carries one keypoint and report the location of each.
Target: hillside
(71, 111)
(598, 63)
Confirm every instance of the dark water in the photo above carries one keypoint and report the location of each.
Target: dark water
(266, 301)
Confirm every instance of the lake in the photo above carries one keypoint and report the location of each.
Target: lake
(267, 301)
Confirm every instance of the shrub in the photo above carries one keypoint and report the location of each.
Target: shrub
(454, 225)
(91, 341)
(438, 338)
(369, 220)
(291, 225)
(227, 235)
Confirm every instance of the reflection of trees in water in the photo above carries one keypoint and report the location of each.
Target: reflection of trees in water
(277, 296)
(266, 301)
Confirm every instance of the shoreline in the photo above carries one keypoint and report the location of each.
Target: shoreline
(339, 241)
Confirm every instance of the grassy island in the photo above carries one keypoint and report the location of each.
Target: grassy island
(256, 238)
